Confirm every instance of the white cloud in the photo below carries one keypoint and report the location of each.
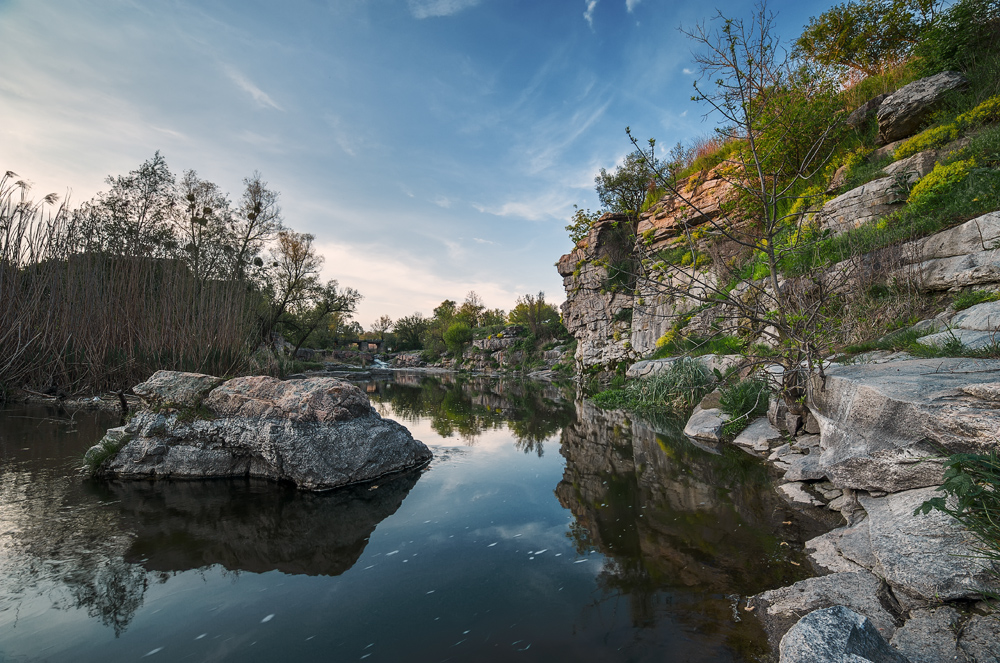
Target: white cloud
(630, 5)
(480, 240)
(589, 14)
(430, 8)
(442, 201)
(545, 206)
(687, 71)
(245, 84)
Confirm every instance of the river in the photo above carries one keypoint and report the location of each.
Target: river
(545, 529)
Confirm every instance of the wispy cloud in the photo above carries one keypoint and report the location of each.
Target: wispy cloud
(589, 14)
(549, 205)
(442, 201)
(245, 84)
(480, 240)
(630, 5)
(687, 71)
(430, 8)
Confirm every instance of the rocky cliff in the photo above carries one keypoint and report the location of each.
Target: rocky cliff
(619, 318)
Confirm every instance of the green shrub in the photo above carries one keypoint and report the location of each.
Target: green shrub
(972, 497)
(985, 113)
(743, 401)
(929, 139)
(939, 184)
(102, 451)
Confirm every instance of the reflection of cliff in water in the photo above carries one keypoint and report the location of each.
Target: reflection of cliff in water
(675, 519)
(255, 526)
(470, 406)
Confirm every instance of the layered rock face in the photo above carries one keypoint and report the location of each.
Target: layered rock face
(318, 433)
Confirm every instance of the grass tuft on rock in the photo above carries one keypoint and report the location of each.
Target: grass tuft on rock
(743, 401)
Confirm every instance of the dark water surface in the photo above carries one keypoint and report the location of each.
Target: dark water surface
(543, 530)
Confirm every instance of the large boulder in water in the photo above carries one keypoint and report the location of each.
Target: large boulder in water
(318, 433)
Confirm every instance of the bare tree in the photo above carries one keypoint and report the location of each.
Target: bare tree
(257, 222)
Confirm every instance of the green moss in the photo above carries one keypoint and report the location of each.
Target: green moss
(970, 298)
(929, 139)
(938, 184)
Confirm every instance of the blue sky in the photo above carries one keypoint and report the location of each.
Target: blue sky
(432, 146)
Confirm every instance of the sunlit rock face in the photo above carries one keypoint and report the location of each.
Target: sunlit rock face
(317, 433)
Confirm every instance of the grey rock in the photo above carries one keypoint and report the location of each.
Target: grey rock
(706, 424)
(494, 344)
(851, 544)
(780, 451)
(858, 590)
(887, 150)
(860, 205)
(975, 236)
(318, 433)
(924, 557)
(651, 367)
(836, 635)
(981, 317)
(884, 425)
(969, 338)
(758, 436)
(805, 468)
(930, 636)
(176, 389)
(903, 112)
(810, 424)
(796, 492)
(838, 180)
(776, 411)
(987, 392)
(980, 639)
(864, 111)
(929, 326)
(914, 166)
(792, 423)
(824, 554)
(808, 441)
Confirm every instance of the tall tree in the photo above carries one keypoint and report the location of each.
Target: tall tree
(623, 191)
(202, 226)
(326, 301)
(294, 274)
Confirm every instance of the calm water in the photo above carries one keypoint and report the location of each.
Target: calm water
(543, 530)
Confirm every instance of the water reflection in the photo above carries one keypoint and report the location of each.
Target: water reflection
(686, 532)
(467, 407)
(252, 526)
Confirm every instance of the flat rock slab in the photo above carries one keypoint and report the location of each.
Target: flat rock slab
(758, 436)
(651, 367)
(981, 317)
(836, 635)
(318, 433)
(926, 558)
(882, 425)
(796, 492)
(706, 424)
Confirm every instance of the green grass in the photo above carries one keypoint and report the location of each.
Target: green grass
(97, 455)
(743, 401)
(680, 387)
(696, 346)
(970, 298)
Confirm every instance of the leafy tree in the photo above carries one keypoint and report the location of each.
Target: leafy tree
(624, 190)
(326, 301)
(408, 331)
(960, 36)
(579, 226)
(492, 317)
(133, 217)
(381, 326)
(540, 317)
(294, 274)
(456, 337)
(471, 310)
(866, 35)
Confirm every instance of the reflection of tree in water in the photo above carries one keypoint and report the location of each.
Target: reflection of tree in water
(681, 528)
(112, 593)
(468, 407)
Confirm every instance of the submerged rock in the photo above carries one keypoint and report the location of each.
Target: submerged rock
(318, 433)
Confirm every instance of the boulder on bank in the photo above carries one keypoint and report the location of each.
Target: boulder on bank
(885, 427)
(318, 433)
(836, 635)
(903, 112)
